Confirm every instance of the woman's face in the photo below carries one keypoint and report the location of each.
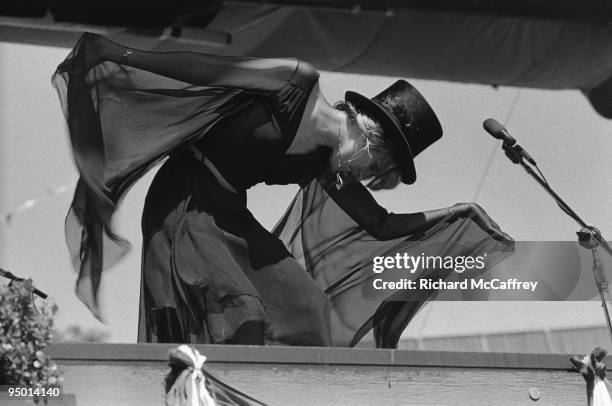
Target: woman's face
(357, 158)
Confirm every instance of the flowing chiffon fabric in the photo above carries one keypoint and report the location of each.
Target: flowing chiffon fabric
(123, 120)
(209, 267)
(338, 253)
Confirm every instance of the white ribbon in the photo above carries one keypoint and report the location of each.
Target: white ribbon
(601, 396)
(198, 389)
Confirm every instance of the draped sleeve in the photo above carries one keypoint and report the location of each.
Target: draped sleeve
(358, 203)
(335, 235)
(123, 120)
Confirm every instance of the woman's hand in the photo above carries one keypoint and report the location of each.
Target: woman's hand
(100, 49)
(477, 214)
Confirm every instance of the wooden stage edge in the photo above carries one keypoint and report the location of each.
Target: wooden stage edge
(311, 356)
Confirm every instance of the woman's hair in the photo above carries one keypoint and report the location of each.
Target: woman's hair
(389, 173)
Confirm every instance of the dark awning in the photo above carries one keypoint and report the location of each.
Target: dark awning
(527, 43)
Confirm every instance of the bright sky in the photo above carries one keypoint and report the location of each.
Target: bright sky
(569, 140)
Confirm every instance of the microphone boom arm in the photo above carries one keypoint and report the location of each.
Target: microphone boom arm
(564, 206)
(588, 236)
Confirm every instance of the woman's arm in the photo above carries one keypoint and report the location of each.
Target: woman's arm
(357, 202)
(193, 67)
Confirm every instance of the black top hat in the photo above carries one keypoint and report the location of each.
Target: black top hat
(406, 118)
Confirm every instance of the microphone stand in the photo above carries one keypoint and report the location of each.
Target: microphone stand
(588, 237)
(12, 277)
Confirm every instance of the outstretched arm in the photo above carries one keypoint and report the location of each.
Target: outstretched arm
(358, 203)
(192, 67)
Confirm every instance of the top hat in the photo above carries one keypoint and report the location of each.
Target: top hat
(406, 119)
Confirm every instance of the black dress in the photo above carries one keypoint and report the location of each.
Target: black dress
(208, 265)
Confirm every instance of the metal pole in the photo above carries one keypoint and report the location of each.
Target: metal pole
(588, 237)
(602, 285)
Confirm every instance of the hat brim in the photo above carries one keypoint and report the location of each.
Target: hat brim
(391, 129)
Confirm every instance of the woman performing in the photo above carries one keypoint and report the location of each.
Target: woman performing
(210, 272)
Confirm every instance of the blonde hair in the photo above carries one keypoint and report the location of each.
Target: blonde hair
(389, 174)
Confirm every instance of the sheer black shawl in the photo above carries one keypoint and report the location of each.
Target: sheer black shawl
(123, 120)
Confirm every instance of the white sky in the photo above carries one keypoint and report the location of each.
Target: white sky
(569, 140)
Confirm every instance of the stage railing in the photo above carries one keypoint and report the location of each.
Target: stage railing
(133, 374)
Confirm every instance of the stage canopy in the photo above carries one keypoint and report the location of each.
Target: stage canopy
(553, 44)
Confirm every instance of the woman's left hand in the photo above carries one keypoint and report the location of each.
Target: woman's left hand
(486, 223)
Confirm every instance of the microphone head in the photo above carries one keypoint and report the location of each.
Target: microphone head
(498, 131)
(494, 128)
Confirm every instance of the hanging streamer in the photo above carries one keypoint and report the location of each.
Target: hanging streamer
(189, 384)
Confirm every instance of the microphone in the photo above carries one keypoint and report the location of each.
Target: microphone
(498, 131)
